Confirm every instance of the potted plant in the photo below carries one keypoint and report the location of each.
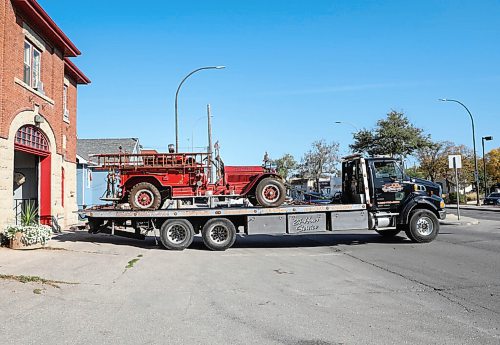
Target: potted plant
(30, 233)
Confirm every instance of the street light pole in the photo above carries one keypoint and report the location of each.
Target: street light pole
(483, 139)
(347, 123)
(476, 177)
(177, 95)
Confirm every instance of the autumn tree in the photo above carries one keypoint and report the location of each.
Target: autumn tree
(395, 136)
(320, 161)
(493, 165)
(433, 159)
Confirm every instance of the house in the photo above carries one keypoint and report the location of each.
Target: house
(329, 185)
(92, 182)
(38, 98)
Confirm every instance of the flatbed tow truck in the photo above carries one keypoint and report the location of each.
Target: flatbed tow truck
(376, 195)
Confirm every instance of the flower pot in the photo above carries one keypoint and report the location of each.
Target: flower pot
(17, 243)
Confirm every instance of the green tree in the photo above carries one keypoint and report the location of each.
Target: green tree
(319, 161)
(395, 136)
(285, 165)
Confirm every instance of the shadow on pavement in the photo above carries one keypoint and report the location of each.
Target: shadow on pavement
(248, 241)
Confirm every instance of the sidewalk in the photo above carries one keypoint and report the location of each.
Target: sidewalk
(452, 219)
(490, 208)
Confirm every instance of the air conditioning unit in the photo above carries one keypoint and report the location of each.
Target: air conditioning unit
(39, 87)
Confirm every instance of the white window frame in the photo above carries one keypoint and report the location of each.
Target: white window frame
(31, 64)
(65, 103)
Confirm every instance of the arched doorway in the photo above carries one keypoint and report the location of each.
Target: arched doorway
(32, 172)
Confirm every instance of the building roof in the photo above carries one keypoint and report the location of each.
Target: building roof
(74, 72)
(37, 16)
(87, 147)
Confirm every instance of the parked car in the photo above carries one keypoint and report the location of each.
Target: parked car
(492, 199)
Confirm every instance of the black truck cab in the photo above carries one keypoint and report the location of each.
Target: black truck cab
(392, 198)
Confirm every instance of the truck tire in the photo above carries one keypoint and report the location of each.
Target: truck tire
(218, 234)
(423, 227)
(144, 196)
(270, 192)
(388, 233)
(176, 234)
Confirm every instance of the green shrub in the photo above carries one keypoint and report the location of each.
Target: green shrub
(451, 198)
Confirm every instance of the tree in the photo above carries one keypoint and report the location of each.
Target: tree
(493, 165)
(285, 165)
(433, 159)
(319, 161)
(434, 162)
(395, 136)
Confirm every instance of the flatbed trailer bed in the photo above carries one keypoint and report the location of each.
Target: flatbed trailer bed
(219, 226)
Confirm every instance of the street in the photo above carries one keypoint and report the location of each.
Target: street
(345, 288)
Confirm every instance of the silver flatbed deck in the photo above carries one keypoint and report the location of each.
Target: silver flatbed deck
(217, 212)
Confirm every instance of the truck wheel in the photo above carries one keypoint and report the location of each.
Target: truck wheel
(176, 234)
(423, 227)
(388, 233)
(144, 196)
(270, 192)
(218, 234)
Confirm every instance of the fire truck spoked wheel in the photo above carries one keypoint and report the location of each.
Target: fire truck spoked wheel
(270, 192)
(218, 234)
(144, 196)
(176, 234)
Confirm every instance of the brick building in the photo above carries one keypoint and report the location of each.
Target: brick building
(38, 100)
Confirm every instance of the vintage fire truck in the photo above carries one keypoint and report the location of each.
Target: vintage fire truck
(376, 195)
(150, 181)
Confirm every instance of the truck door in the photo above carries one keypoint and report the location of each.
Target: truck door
(387, 179)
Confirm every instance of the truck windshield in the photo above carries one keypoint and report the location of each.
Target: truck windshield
(388, 169)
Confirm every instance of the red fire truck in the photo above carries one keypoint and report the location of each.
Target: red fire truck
(148, 181)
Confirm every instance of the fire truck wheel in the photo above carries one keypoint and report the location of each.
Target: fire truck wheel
(423, 227)
(144, 196)
(270, 192)
(176, 234)
(218, 234)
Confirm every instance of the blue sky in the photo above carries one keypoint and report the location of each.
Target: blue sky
(293, 69)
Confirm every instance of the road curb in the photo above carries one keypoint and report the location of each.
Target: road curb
(468, 223)
(476, 208)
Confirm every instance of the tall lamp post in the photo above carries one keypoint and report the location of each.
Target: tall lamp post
(347, 123)
(476, 177)
(176, 97)
(483, 139)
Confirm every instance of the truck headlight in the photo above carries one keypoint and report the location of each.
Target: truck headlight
(442, 204)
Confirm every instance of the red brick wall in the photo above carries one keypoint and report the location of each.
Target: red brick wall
(15, 98)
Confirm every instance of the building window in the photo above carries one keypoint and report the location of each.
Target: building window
(32, 63)
(65, 103)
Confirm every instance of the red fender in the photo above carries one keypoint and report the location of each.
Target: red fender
(256, 180)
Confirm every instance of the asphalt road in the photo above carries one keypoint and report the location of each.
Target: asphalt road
(345, 288)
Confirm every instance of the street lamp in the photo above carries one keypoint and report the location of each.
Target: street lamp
(347, 123)
(483, 139)
(476, 177)
(177, 95)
